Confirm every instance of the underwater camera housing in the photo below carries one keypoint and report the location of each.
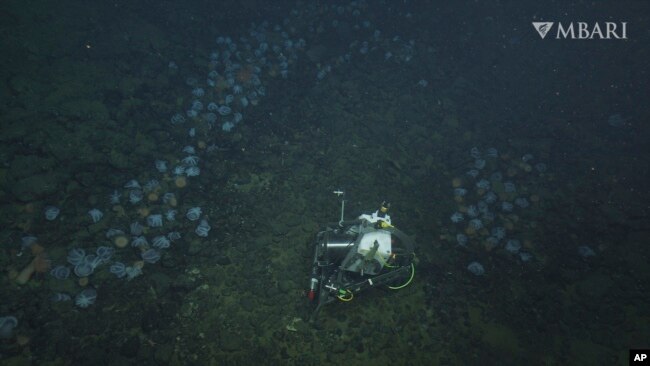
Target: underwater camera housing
(353, 256)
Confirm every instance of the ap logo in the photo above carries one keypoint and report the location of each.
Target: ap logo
(542, 28)
(639, 357)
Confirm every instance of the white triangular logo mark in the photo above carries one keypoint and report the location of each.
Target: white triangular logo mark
(542, 28)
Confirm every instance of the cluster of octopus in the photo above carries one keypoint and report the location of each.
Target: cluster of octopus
(235, 79)
(490, 198)
(239, 68)
(141, 216)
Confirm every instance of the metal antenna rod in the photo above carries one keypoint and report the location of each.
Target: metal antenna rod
(341, 194)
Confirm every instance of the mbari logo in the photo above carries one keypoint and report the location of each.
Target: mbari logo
(583, 30)
(542, 28)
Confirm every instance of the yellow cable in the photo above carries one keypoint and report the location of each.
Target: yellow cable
(384, 263)
(407, 282)
(347, 299)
